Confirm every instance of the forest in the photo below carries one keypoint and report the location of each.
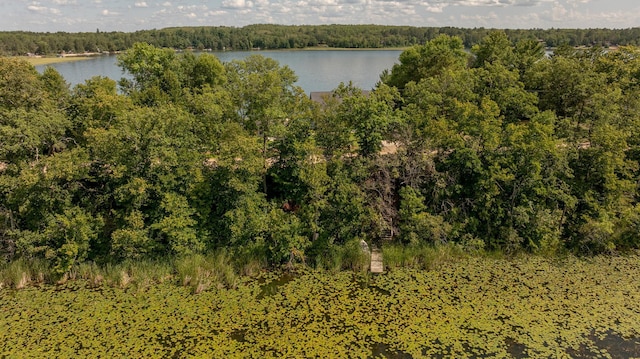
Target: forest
(267, 36)
(501, 149)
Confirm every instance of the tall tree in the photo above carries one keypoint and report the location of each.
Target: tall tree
(266, 99)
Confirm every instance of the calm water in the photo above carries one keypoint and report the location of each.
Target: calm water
(316, 70)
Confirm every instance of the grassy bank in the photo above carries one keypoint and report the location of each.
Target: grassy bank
(468, 307)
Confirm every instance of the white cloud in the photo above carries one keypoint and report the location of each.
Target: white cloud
(64, 2)
(215, 13)
(141, 4)
(191, 8)
(106, 12)
(435, 8)
(237, 4)
(475, 3)
(36, 7)
(323, 2)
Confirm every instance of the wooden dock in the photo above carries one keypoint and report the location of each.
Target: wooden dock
(376, 261)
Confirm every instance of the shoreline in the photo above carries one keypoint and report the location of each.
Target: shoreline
(42, 61)
(49, 60)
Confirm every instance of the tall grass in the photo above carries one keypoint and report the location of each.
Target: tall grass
(138, 273)
(199, 271)
(219, 268)
(424, 256)
(249, 260)
(202, 272)
(21, 273)
(349, 256)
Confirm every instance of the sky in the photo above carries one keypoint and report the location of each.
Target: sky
(132, 15)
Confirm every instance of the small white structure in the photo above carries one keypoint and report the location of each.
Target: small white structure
(364, 247)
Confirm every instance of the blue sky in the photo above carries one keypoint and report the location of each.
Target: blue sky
(131, 15)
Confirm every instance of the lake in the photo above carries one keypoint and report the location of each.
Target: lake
(317, 70)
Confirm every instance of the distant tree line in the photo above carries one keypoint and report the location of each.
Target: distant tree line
(286, 37)
(500, 149)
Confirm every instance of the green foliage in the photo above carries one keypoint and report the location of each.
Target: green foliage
(96, 104)
(501, 149)
(416, 224)
(29, 135)
(56, 87)
(369, 116)
(177, 226)
(132, 241)
(68, 236)
(431, 59)
(151, 67)
(20, 85)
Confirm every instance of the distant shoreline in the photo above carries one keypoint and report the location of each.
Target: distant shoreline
(48, 60)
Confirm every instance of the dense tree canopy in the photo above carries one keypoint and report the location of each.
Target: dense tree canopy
(501, 148)
(299, 36)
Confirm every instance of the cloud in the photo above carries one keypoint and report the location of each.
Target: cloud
(64, 2)
(475, 3)
(141, 4)
(237, 4)
(559, 13)
(106, 12)
(191, 8)
(215, 13)
(323, 2)
(434, 8)
(571, 16)
(36, 8)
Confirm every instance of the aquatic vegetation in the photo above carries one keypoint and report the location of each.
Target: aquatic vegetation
(473, 307)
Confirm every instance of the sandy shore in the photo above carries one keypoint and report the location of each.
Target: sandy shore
(37, 61)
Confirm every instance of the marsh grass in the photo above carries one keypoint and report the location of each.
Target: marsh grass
(424, 256)
(353, 258)
(216, 269)
(21, 273)
(249, 260)
(140, 274)
(202, 272)
(226, 269)
(346, 257)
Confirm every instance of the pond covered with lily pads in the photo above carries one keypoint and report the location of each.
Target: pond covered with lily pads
(475, 308)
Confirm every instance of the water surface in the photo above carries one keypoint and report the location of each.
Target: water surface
(317, 70)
